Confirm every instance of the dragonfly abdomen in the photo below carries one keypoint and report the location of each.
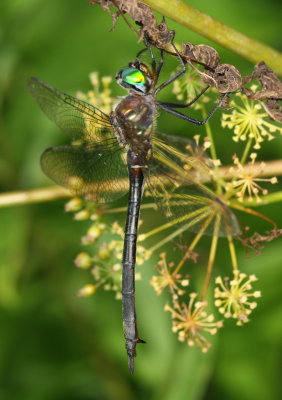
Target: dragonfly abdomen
(136, 180)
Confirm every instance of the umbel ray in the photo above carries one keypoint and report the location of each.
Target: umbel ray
(106, 148)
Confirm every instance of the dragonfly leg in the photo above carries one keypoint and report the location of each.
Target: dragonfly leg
(141, 52)
(136, 180)
(180, 105)
(174, 77)
(187, 117)
(156, 69)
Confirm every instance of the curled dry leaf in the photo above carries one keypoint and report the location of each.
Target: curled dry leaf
(256, 241)
(271, 92)
(273, 109)
(201, 53)
(157, 34)
(267, 78)
(261, 94)
(225, 77)
(164, 35)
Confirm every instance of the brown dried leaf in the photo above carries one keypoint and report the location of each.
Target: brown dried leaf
(273, 109)
(226, 78)
(105, 4)
(189, 254)
(271, 92)
(164, 35)
(256, 241)
(261, 94)
(201, 53)
(268, 79)
(157, 34)
(225, 104)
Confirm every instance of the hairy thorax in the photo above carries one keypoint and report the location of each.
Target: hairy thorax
(134, 120)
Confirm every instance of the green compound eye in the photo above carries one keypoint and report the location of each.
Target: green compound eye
(134, 77)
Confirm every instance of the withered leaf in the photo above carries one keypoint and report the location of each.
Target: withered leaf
(273, 109)
(157, 34)
(267, 77)
(164, 35)
(262, 94)
(201, 53)
(256, 241)
(225, 77)
(271, 92)
(105, 4)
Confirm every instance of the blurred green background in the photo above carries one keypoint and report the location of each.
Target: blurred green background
(53, 345)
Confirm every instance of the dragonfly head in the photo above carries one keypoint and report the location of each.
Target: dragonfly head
(135, 77)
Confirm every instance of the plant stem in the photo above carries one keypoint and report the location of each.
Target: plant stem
(246, 151)
(218, 32)
(192, 246)
(210, 136)
(271, 168)
(232, 253)
(33, 196)
(146, 206)
(211, 258)
(265, 200)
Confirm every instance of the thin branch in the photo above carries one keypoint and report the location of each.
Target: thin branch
(218, 32)
(265, 200)
(271, 168)
(33, 196)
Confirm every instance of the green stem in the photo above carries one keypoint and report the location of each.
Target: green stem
(192, 245)
(213, 249)
(265, 200)
(33, 196)
(232, 253)
(218, 32)
(210, 136)
(146, 206)
(218, 181)
(246, 151)
(51, 193)
(167, 239)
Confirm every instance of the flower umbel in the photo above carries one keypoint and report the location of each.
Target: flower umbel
(188, 87)
(191, 321)
(248, 120)
(101, 94)
(246, 182)
(167, 278)
(233, 297)
(106, 262)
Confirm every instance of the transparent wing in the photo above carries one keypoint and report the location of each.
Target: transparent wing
(183, 156)
(99, 174)
(74, 117)
(175, 177)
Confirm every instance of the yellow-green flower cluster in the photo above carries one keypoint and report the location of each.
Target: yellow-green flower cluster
(235, 298)
(191, 322)
(248, 120)
(101, 95)
(166, 278)
(105, 263)
(188, 86)
(246, 182)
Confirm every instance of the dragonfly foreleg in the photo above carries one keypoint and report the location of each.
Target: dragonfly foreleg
(187, 117)
(180, 105)
(174, 77)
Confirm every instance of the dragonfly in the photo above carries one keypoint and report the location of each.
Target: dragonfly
(111, 155)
